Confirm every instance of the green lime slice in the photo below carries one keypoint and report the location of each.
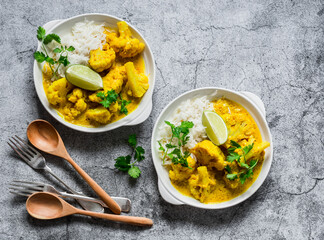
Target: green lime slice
(83, 77)
(215, 127)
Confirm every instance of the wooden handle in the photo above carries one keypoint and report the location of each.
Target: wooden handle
(138, 221)
(114, 207)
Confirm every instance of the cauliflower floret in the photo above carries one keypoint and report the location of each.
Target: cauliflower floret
(115, 79)
(137, 84)
(56, 93)
(201, 184)
(125, 45)
(100, 115)
(180, 173)
(71, 111)
(101, 60)
(209, 155)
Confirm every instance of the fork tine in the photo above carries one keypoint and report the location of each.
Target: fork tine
(28, 145)
(28, 182)
(24, 147)
(27, 187)
(22, 190)
(26, 159)
(19, 193)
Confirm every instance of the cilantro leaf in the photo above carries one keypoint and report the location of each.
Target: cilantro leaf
(132, 140)
(123, 108)
(50, 37)
(235, 144)
(161, 148)
(123, 163)
(39, 56)
(231, 176)
(57, 50)
(108, 98)
(70, 49)
(41, 33)
(244, 165)
(134, 172)
(139, 153)
(233, 156)
(247, 149)
(228, 169)
(49, 60)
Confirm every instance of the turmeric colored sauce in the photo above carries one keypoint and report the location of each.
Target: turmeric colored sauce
(243, 129)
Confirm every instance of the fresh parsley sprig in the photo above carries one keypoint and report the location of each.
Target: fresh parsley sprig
(234, 156)
(111, 97)
(61, 50)
(124, 163)
(180, 133)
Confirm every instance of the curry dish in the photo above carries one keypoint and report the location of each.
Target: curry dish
(121, 67)
(205, 178)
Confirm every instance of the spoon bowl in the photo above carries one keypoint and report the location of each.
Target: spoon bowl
(44, 205)
(43, 135)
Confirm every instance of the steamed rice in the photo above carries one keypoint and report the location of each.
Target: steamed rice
(189, 110)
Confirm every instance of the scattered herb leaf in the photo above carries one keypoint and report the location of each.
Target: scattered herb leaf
(124, 163)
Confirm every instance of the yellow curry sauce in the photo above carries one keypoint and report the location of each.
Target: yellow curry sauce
(82, 107)
(214, 187)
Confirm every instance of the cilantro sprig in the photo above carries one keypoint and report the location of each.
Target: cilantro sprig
(234, 156)
(176, 154)
(124, 163)
(111, 97)
(61, 50)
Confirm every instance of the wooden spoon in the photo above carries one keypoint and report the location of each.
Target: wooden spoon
(43, 205)
(45, 137)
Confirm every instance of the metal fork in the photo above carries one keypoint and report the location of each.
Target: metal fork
(36, 160)
(26, 188)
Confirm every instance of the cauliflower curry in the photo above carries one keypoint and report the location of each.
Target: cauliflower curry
(121, 67)
(205, 177)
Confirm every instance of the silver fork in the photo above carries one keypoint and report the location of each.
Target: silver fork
(26, 188)
(36, 160)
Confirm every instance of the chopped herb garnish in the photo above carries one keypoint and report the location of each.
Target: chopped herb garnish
(180, 133)
(111, 97)
(234, 156)
(61, 50)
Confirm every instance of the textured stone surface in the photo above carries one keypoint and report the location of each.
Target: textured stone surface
(271, 48)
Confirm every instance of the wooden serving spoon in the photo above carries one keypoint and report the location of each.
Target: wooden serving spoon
(43, 205)
(45, 137)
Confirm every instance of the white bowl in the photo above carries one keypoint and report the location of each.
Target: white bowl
(253, 104)
(144, 109)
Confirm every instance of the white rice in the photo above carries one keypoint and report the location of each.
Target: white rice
(189, 110)
(84, 37)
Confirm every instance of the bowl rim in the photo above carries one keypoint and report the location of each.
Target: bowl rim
(230, 203)
(139, 115)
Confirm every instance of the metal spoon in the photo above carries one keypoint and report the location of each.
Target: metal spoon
(45, 137)
(50, 206)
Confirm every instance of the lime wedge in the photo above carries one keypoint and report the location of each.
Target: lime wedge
(83, 77)
(215, 127)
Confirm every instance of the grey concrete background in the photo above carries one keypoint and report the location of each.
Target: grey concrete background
(271, 48)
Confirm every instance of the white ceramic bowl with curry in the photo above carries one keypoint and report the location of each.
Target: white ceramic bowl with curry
(137, 114)
(179, 193)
